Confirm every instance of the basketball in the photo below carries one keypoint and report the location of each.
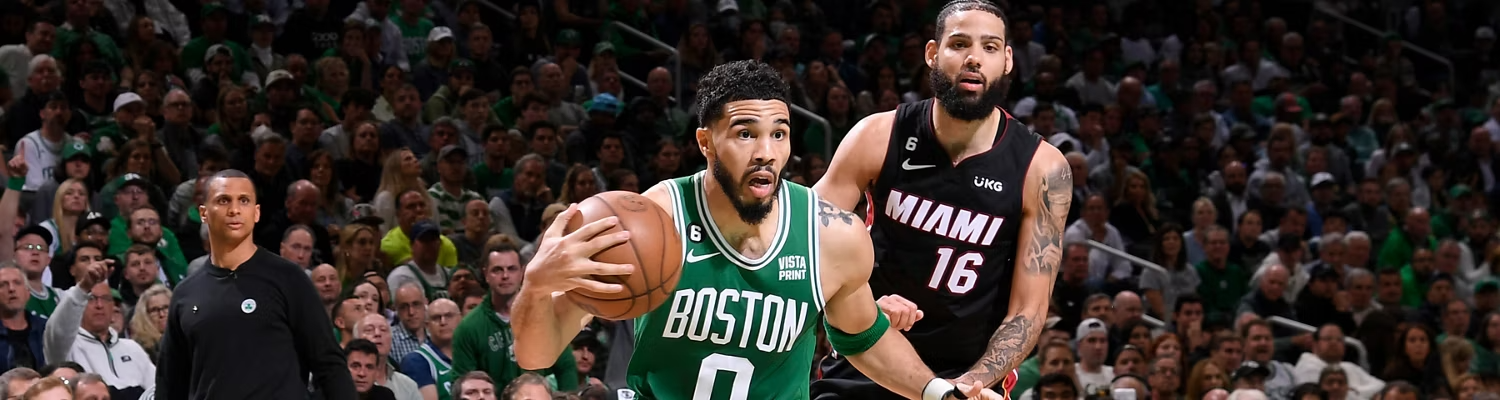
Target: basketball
(654, 249)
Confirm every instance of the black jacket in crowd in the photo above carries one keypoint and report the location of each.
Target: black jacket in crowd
(255, 332)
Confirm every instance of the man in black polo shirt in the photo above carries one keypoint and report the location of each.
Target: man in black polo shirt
(236, 329)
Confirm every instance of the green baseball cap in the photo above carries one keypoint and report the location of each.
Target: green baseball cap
(1459, 190)
(568, 37)
(129, 179)
(603, 47)
(211, 8)
(1486, 285)
(461, 65)
(75, 148)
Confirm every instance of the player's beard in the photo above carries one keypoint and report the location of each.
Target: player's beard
(964, 107)
(751, 213)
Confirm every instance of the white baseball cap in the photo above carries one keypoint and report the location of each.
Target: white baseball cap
(124, 99)
(1322, 178)
(439, 33)
(277, 76)
(1090, 326)
(216, 50)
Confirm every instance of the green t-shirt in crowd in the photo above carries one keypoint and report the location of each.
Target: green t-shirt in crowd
(414, 38)
(490, 182)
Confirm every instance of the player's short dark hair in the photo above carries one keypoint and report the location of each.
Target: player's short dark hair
(361, 346)
(736, 81)
(1054, 379)
(966, 5)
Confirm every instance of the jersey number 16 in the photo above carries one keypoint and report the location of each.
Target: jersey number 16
(962, 272)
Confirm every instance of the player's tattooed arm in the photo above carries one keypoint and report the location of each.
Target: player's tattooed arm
(1055, 196)
(1050, 193)
(829, 213)
(1006, 349)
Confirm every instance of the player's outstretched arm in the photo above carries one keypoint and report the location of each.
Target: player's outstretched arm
(856, 327)
(546, 320)
(857, 163)
(1048, 193)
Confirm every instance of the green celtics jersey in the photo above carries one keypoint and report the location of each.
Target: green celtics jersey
(43, 303)
(735, 328)
(442, 371)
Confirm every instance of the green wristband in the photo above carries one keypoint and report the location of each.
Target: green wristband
(16, 183)
(853, 344)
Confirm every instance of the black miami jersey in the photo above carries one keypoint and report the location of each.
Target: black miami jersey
(945, 238)
(945, 235)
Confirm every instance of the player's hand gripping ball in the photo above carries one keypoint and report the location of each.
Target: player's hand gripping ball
(654, 248)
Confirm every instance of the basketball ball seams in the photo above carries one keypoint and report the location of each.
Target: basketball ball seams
(633, 251)
(634, 297)
(639, 294)
(675, 274)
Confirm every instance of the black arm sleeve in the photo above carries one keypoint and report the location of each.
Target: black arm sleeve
(174, 362)
(313, 333)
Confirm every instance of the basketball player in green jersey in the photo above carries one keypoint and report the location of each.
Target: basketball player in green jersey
(762, 259)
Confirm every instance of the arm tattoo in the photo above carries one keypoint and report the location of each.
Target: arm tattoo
(1008, 346)
(1055, 195)
(1006, 349)
(827, 213)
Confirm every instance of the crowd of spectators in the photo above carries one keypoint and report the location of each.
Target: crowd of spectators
(1276, 162)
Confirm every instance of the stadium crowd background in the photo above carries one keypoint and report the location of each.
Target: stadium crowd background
(1331, 163)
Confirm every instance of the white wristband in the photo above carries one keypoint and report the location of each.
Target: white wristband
(937, 389)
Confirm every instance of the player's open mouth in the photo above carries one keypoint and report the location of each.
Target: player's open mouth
(760, 184)
(970, 82)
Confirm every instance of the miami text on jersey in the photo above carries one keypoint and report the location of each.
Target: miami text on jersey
(942, 219)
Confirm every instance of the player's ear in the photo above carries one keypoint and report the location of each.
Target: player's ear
(203, 212)
(1009, 61)
(256, 217)
(703, 135)
(930, 57)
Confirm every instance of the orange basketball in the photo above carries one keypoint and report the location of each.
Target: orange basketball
(654, 249)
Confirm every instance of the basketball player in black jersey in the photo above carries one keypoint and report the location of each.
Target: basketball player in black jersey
(967, 210)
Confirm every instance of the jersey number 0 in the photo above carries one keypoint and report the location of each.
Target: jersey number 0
(963, 274)
(709, 372)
